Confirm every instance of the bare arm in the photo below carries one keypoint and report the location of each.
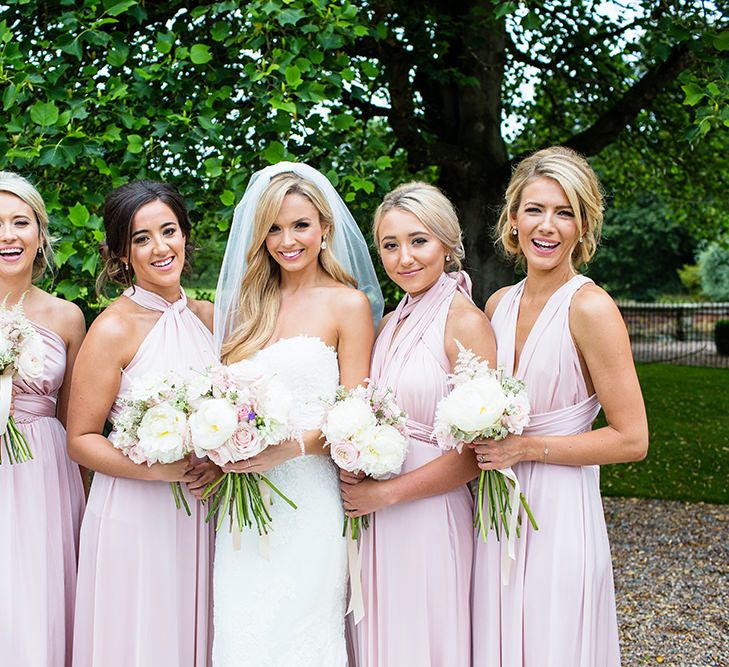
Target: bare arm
(470, 327)
(74, 330)
(95, 384)
(602, 339)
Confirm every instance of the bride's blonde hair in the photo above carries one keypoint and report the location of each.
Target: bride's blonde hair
(260, 295)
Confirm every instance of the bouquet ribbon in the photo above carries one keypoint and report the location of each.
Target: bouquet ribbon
(509, 554)
(354, 562)
(6, 397)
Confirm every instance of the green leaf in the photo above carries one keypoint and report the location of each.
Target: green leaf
(213, 166)
(721, 41)
(694, 94)
(9, 95)
(383, 162)
(63, 251)
(274, 152)
(200, 54)
(343, 121)
(293, 76)
(118, 55)
(135, 143)
(117, 8)
(505, 8)
(90, 262)
(67, 288)
(220, 31)
(289, 16)
(44, 113)
(531, 22)
(369, 69)
(227, 198)
(78, 214)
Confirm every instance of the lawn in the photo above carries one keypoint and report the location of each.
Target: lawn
(688, 420)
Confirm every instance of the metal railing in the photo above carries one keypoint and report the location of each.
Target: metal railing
(677, 333)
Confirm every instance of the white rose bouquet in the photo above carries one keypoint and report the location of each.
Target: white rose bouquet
(365, 431)
(151, 426)
(485, 403)
(21, 355)
(237, 412)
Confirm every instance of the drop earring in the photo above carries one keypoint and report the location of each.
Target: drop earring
(448, 258)
(323, 245)
(514, 231)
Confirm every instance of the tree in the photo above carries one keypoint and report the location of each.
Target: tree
(372, 92)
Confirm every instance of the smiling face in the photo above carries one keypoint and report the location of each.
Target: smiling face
(294, 239)
(546, 225)
(413, 257)
(19, 236)
(157, 248)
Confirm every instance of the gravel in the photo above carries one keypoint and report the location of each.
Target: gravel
(670, 562)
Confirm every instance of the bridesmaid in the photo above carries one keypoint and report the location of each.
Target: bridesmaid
(144, 566)
(564, 337)
(41, 500)
(417, 552)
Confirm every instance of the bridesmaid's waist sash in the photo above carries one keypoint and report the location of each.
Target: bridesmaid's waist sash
(29, 407)
(573, 419)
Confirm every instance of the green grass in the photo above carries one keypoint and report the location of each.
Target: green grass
(688, 420)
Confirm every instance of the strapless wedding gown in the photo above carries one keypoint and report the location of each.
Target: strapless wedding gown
(283, 603)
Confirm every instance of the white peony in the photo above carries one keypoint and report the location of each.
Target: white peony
(147, 386)
(245, 372)
(383, 451)
(348, 419)
(197, 385)
(274, 402)
(474, 406)
(30, 360)
(212, 423)
(162, 433)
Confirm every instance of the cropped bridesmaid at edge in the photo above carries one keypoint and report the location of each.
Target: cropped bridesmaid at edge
(144, 566)
(564, 337)
(417, 551)
(41, 500)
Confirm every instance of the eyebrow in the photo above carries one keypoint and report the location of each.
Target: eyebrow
(146, 231)
(409, 235)
(536, 203)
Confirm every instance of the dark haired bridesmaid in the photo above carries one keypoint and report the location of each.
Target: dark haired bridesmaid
(143, 593)
(41, 500)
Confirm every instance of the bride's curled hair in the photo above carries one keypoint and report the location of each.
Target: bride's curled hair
(258, 306)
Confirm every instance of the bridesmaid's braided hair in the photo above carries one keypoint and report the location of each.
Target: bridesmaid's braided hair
(120, 207)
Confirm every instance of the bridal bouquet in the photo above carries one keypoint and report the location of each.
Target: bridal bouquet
(485, 403)
(237, 412)
(151, 426)
(21, 355)
(365, 431)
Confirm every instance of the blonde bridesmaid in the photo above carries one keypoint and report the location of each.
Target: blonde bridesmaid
(41, 500)
(417, 552)
(564, 337)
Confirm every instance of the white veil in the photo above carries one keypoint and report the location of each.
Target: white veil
(347, 244)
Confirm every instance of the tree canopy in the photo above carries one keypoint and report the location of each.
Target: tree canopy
(372, 92)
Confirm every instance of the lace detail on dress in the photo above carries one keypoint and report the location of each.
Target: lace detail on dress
(289, 609)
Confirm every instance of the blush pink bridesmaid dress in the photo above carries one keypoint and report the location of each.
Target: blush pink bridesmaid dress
(558, 607)
(144, 579)
(417, 556)
(41, 504)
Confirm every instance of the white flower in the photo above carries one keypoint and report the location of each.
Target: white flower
(274, 402)
(212, 423)
(30, 360)
(347, 419)
(383, 451)
(474, 406)
(147, 386)
(245, 372)
(5, 347)
(162, 433)
(197, 385)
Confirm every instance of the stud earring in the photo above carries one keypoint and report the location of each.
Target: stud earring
(448, 258)
(323, 244)
(579, 240)
(514, 231)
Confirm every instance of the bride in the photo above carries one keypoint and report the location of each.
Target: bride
(286, 297)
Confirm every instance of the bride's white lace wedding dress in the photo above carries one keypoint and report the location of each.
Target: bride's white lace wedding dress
(287, 610)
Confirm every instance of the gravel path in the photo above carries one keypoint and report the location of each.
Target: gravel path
(671, 565)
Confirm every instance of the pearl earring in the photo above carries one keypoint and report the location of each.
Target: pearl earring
(579, 240)
(448, 258)
(514, 231)
(323, 244)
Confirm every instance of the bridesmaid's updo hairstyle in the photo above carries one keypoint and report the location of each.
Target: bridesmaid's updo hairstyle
(260, 290)
(120, 207)
(433, 209)
(23, 189)
(580, 185)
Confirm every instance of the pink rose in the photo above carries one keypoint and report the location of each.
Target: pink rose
(245, 444)
(345, 455)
